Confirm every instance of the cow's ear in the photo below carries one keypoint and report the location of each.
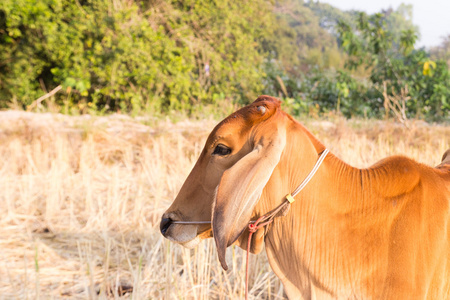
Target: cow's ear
(241, 186)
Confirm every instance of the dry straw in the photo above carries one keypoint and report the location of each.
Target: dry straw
(81, 199)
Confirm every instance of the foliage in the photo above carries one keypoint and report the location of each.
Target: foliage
(126, 55)
(329, 16)
(393, 61)
(321, 92)
(194, 56)
(300, 43)
(399, 21)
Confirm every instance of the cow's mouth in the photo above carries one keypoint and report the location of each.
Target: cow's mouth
(192, 243)
(188, 236)
(204, 234)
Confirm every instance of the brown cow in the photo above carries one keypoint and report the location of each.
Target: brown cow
(376, 233)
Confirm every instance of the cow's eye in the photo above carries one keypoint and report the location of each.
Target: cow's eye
(221, 150)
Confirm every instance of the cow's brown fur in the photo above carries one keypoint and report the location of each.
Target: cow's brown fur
(376, 233)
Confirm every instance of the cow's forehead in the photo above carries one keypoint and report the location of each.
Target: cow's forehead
(242, 121)
(233, 125)
(249, 115)
(236, 124)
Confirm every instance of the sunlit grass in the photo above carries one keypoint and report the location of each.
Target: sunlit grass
(81, 200)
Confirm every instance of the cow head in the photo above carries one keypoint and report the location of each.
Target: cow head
(226, 183)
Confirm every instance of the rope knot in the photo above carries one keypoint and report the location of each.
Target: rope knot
(252, 228)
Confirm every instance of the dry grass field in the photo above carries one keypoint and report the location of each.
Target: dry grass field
(81, 199)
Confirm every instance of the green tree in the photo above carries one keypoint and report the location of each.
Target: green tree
(399, 21)
(329, 16)
(393, 63)
(130, 56)
(297, 46)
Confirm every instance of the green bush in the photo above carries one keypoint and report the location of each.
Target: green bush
(394, 63)
(129, 56)
(195, 56)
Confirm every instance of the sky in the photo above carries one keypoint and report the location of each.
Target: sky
(432, 16)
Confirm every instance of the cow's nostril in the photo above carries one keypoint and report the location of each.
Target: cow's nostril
(165, 223)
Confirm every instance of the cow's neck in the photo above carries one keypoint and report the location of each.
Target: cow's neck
(305, 248)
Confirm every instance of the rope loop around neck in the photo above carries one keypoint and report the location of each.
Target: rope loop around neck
(270, 216)
(312, 173)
